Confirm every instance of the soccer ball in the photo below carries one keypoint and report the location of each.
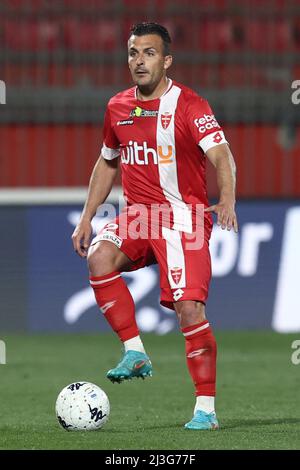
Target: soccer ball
(82, 406)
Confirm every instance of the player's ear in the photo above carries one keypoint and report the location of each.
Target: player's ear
(168, 61)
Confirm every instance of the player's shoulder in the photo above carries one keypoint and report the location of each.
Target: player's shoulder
(189, 95)
(122, 97)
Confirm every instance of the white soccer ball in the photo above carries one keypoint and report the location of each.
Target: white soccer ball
(82, 406)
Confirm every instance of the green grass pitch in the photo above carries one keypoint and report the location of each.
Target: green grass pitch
(258, 393)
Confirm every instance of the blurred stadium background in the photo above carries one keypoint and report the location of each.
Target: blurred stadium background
(61, 61)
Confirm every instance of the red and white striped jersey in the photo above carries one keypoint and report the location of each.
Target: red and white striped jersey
(162, 145)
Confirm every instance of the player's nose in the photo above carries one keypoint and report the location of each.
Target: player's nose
(140, 60)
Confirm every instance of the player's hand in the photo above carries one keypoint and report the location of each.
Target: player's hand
(81, 237)
(226, 216)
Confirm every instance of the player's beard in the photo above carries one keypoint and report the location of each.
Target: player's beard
(147, 84)
(143, 80)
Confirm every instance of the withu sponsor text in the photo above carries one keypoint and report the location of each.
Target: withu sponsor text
(137, 154)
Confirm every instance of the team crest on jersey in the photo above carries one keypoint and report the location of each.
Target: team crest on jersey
(165, 120)
(176, 274)
(139, 112)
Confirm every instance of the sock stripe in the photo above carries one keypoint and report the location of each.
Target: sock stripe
(96, 283)
(196, 330)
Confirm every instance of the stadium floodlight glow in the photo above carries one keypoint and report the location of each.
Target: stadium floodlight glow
(2, 92)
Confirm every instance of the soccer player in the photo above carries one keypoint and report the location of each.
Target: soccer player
(160, 133)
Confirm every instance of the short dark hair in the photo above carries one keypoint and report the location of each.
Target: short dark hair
(141, 29)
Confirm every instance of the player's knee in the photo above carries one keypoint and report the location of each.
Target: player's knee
(190, 312)
(101, 259)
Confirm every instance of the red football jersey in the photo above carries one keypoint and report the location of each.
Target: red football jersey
(162, 145)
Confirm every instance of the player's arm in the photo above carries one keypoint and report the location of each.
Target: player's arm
(101, 182)
(222, 159)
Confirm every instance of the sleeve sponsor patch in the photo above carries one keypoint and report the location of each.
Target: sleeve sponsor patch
(206, 123)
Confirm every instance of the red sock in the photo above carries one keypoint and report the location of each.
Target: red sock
(201, 355)
(115, 301)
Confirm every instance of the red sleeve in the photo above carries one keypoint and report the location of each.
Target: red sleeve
(111, 144)
(203, 125)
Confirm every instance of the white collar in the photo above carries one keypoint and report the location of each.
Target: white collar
(170, 83)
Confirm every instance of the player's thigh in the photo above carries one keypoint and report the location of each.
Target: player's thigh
(104, 257)
(113, 250)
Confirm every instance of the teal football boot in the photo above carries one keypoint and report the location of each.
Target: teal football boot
(133, 364)
(202, 420)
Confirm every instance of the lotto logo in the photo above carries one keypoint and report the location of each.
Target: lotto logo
(178, 294)
(217, 138)
(137, 154)
(206, 123)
